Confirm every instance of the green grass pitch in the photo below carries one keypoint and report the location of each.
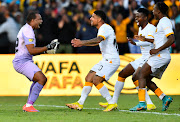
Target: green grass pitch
(54, 109)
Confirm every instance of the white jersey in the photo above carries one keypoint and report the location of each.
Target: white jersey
(163, 30)
(25, 37)
(108, 46)
(148, 32)
(160, 61)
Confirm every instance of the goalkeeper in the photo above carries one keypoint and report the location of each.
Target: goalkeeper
(23, 63)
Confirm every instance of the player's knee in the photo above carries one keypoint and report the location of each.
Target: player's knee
(96, 83)
(88, 79)
(148, 84)
(141, 75)
(43, 81)
(121, 74)
(134, 78)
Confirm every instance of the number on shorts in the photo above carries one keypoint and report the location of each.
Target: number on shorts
(100, 67)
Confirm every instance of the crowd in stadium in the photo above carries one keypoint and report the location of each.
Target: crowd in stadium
(68, 19)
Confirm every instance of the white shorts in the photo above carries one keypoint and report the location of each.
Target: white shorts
(158, 64)
(138, 62)
(106, 68)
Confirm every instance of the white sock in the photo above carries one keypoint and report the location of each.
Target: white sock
(118, 88)
(28, 105)
(85, 92)
(148, 99)
(162, 96)
(105, 93)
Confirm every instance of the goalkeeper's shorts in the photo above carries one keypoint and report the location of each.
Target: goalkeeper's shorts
(27, 68)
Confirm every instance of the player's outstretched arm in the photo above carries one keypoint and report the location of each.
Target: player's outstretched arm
(92, 42)
(35, 50)
(39, 50)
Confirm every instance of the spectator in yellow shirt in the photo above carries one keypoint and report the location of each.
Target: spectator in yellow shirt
(120, 26)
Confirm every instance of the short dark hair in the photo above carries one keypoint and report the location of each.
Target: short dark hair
(31, 15)
(101, 14)
(162, 7)
(143, 11)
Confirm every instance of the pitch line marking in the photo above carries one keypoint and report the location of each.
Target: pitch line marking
(145, 112)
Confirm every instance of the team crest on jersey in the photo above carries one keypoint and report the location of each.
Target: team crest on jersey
(30, 40)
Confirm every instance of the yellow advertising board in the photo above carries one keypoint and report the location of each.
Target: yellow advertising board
(66, 75)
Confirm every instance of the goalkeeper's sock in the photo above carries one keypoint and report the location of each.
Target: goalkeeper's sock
(118, 88)
(28, 105)
(104, 92)
(35, 93)
(31, 89)
(85, 92)
(159, 93)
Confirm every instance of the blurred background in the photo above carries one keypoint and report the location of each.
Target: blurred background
(68, 19)
(66, 71)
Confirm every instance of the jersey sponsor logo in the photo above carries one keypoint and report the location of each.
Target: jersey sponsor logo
(31, 40)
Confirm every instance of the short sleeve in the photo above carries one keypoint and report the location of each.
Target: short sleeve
(151, 32)
(103, 32)
(167, 28)
(28, 38)
(126, 21)
(113, 22)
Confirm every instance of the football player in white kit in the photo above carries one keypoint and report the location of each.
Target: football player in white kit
(147, 30)
(106, 67)
(159, 59)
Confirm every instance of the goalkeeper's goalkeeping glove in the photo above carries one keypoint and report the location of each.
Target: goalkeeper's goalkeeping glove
(52, 47)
